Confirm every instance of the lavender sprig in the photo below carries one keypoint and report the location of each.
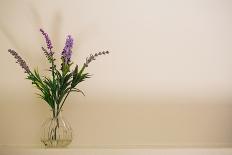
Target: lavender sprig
(67, 51)
(48, 41)
(20, 61)
(49, 55)
(93, 57)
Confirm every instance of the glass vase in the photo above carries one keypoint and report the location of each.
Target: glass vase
(56, 132)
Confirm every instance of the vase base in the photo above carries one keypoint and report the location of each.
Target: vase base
(56, 143)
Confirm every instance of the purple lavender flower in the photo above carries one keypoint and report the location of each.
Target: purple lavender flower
(20, 61)
(67, 51)
(48, 41)
(49, 55)
(93, 57)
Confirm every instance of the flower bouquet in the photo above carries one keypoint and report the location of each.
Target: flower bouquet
(55, 89)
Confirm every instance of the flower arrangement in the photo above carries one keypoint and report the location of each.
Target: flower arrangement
(55, 89)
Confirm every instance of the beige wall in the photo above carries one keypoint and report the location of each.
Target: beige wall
(167, 81)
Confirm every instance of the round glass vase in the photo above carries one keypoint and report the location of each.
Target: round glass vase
(56, 132)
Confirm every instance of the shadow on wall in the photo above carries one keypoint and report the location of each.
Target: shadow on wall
(37, 23)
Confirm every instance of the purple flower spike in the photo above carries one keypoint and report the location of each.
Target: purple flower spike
(67, 51)
(48, 41)
(20, 61)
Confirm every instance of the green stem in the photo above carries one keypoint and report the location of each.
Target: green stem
(58, 111)
(53, 74)
(53, 80)
(82, 69)
(57, 126)
(53, 112)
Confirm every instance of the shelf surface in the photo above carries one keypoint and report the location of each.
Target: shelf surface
(9, 150)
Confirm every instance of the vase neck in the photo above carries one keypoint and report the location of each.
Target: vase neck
(56, 113)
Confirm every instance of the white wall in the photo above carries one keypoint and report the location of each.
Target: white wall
(167, 80)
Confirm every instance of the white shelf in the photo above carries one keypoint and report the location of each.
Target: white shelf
(5, 150)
